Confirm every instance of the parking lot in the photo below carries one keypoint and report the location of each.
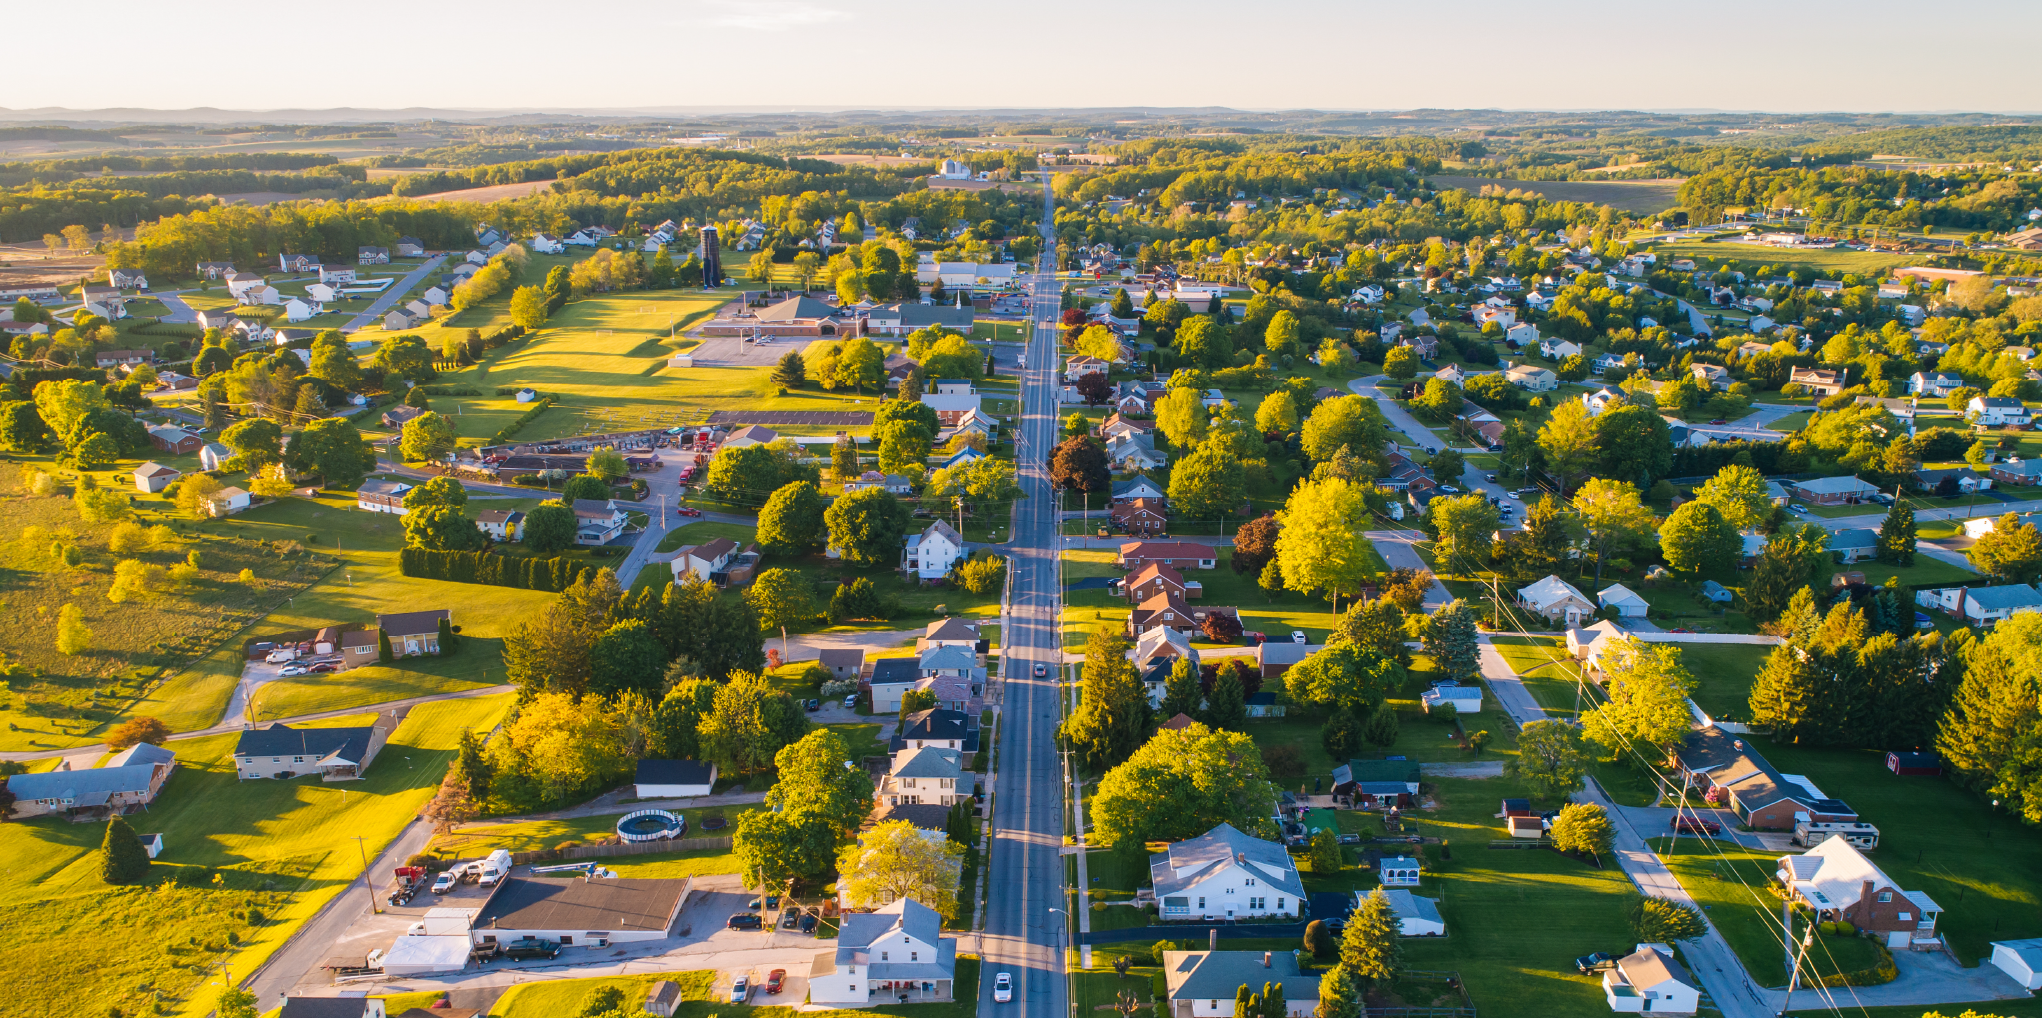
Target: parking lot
(699, 940)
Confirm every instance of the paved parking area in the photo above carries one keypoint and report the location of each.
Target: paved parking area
(733, 351)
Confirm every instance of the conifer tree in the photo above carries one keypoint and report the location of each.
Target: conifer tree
(1227, 706)
(1181, 693)
(1896, 535)
(1451, 640)
(1369, 949)
(122, 859)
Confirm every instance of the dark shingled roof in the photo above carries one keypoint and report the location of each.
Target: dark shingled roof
(413, 623)
(673, 772)
(529, 903)
(283, 740)
(325, 1007)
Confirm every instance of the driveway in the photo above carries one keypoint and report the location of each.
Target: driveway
(180, 312)
(1395, 546)
(381, 305)
(1402, 420)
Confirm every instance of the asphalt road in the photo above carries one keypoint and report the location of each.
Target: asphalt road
(1022, 936)
(382, 305)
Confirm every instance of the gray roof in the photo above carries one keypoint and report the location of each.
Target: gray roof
(894, 669)
(325, 1007)
(934, 724)
(861, 929)
(949, 656)
(141, 753)
(283, 740)
(84, 788)
(530, 903)
(1856, 538)
(413, 623)
(674, 772)
(1410, 906)
(2012, 595)
(1217, 975)
(929, 762)
(841, 657)
(1845, 483)
(1206, 854)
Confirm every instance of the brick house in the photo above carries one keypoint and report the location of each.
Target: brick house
(1175, 554)
(1839, 883)
(1157, 578)
(1751, 787)
(1141, 516)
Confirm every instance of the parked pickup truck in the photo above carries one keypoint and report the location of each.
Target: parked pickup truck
(521, 950)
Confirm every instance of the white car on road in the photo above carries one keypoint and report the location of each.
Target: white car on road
(1003, 988)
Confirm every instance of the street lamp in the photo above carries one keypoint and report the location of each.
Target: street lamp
(1064, 957)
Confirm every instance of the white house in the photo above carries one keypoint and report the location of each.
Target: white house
(1556, 349)
(298, 310)
(546, 244)
(751, 434)
(702, 561)
(1602, 399)
(925, 776)
(227, 501)
(154, 477)
(1936, 384)
(880, 956)
(382, 497)
(674, 779)
(1532, 378)
(1225, 874)
(500, 524)
(1625, 601)
(213, 456)
(1648, 979)
(1523, 334)
(1999, 411)
(2021, 959)
(1081, 365)
(1452, 696)
(952, 394)
(1416, 916)
(1486, 313)
(1980, 606)
(331, 274)
(1202, 984)
(433, 295)
(240, 283)
(1557, 600)
(322, 292)
(931, 554)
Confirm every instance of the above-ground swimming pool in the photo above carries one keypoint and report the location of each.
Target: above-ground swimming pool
(651, 825)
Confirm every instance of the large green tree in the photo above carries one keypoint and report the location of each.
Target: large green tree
(626, 657)
(1210, 484)
(866, 526)
(1369, 947)
(426, 438)
(1633, 444)
(1551, 759)
(1739, 493)
(1697, 537)
(122, 859)
(791, 521)
(2011, 552)
(1896, 534)
(1347, 677)
(1353, 422)
(333, 448)
(748, 723)
(1451, 639)
(1322, 545)
(1113, 713)
(1467, 527)
(1648, 698)
(1182, 783)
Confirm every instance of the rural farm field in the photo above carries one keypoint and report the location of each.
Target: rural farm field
(1642, 197)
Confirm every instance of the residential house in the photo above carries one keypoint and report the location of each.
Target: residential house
(1273, 657)
(1649, 979)
(1521, 335)
(1845, 490)
(174, 440)
(1143, 516)
(227, 501)
(321, 293)
(964, 455)
(1982, 606)
(1203, 984)
(298, 263)
(1532, 378)
(1452, 373)
(400, 319)
(931, 554)
(212, 272)
(214, 456)
(435, 296)
(1999, 412)
(1557, 349)
(1602, 399)
(1226, 874)
(751, 434)
(1935, 384)
(154, 477)
(1557, 600)
(1169, 610)
(1503, 316)
(1376, 782)
(545, 243)
(1710, 758)
(937, 728)
(1450, 696)
(1140, 487)
(414, 634)
(1132, 451)
(708, 562)
(281, 751)
(1157, 578)
(600, 521)
(1154, 653)
(500, 524)
(950, 632)
(1836, 880)
(1081, 365)
(382, 497)
(410, 247)
(129, 780)
(1116, 425)
(1178, 555)
(2015, 470)
(1416, 916)
(1966, 479)
(1854, 545)
(893, 952)
(1624, 601)
(674, 779)
(372, 256)
(1713, 376)
(842, 662)
(952, 394)
(891, 678)
(241, 284)
(297, 310)
(1819, 381)
(336, 274)
(925, 776)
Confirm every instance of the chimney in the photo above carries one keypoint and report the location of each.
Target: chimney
(1265, 959)
(1212, 940)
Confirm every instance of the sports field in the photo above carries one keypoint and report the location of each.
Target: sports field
(1868, 264)
(1644, 197)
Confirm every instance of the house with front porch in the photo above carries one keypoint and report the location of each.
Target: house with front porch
(1557, 600)
(1836, 880)
(926, 776)
(129, 780)
(413, 634)
(1226, 874)
(702, 563)
(1711, 759)
(930, 555)
(599, 521)
(281, 751)
(893, 954)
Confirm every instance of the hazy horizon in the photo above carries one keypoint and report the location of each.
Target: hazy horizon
(784, 55)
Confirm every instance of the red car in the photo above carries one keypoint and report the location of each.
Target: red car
(1696, 825)
(775, 980)
(686, 511)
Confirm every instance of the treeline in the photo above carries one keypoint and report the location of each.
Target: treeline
(260, 161)
(1856, 195)
(552, 575)
(1956, 144)
(28, 212)
(1218, 177)
(250, 236)
(491, 154)
(715, 179)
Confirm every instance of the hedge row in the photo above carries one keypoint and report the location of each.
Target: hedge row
(548, 574)
(504, 433)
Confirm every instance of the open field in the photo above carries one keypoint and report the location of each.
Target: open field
(1645, 197)
(1724, 672)
(167, 635)
(284, 847)
(494, 192)
(1827, 261)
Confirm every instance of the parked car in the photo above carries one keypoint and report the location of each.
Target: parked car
(1297, 636)
(1597, 962)
(741, 989)
(444, 882)
(811, 705)
(744, 921)
(289, 670)
(809, 922)
(1697, 825)
(789, 918)
(688, 511)
(279, 656)
(1491, 477)
(324, 668)
(851, 701)
(775, 980)
(1449, 489)
(531, 948)
(1003, 988)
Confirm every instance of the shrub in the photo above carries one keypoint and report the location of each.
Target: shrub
(837, 689)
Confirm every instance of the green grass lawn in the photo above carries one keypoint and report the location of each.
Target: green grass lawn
(703, 532)
(1724, 672)
(1421, 737)
(1548, 672)
(285, 846)
(1829, 262)
(1087, 610)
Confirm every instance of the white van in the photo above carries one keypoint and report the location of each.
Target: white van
(281, 655)
(495, 867)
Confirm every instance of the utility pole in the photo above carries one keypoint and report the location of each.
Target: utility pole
(367, 884)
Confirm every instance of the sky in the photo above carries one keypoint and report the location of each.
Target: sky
(1772, 55)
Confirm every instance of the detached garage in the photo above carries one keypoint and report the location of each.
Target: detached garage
(423, 955)
(674, 779)
(2021, 959)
